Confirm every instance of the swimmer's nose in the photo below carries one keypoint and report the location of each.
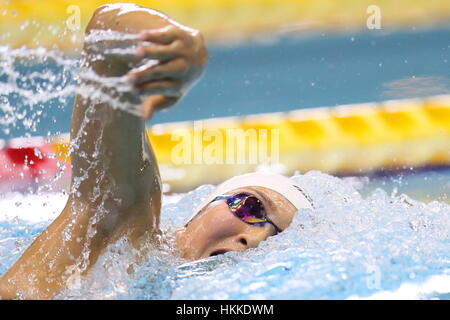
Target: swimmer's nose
(243, 241)
(238, 243)
(248, 240)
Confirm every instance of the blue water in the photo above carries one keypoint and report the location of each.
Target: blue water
(349, 246)
(289, 73)
(367, 237)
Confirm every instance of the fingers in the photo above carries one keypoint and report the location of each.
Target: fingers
(158, 102)
(163, 44)
(170, 88)
(167, 43)
(160, 52)
(164, 35)
(173, 69)
(107, 41)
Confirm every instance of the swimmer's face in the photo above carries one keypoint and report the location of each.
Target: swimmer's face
(216, 230)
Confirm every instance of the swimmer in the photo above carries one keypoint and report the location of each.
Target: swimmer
(116, 187)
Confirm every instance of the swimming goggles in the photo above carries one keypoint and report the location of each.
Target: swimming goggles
(247, 208)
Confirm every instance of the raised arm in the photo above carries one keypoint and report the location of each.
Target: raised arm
(115, 189)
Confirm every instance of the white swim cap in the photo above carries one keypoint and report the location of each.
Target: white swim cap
(281, 184)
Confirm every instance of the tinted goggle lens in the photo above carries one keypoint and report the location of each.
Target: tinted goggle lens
(247, 208)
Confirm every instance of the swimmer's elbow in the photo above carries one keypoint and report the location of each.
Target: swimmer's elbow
(102, 17)
(128, 17)
(96, 21)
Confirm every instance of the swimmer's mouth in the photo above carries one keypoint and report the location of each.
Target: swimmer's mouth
(217, 252)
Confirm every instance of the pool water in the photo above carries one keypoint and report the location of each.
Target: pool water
(368, 237)
(350, 246)
(325, 69)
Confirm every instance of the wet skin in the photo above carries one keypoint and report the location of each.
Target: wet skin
(116, 187)
(216, 230)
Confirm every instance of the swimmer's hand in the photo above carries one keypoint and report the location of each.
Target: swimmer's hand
(159, 61)
(180, 56)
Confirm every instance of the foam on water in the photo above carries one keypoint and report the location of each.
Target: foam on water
(349, 246)
(35, 81)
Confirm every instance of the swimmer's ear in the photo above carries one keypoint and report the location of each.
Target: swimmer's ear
(158, 102)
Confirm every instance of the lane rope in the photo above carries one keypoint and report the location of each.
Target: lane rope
(348, 139)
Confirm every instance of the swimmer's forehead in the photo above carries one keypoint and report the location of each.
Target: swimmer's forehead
(265, 193)
(275, 182)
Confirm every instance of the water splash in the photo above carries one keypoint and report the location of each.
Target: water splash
(350, 246)
(33, 81)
